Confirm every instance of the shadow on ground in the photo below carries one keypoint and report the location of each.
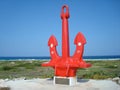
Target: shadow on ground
(82, 80)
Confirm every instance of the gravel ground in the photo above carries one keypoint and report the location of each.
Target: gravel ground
(47, 84)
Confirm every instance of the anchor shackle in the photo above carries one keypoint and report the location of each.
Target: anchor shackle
(65, 12)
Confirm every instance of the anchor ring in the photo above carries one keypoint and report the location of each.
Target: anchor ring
(65, 12)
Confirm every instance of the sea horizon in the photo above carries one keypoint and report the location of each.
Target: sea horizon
(18, 58)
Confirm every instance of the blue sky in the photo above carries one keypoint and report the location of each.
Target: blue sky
(26, 25)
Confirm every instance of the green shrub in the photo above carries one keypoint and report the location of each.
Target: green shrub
(97, 76)
(6, 68)
(111, 66)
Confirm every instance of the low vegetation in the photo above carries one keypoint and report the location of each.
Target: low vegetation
(101, 70)
(33, 69)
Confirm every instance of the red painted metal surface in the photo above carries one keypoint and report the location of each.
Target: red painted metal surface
(66, 65)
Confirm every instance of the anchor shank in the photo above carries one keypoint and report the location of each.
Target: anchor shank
(65, 32)
(65, 39)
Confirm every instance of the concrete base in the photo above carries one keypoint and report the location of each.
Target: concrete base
(65, 80)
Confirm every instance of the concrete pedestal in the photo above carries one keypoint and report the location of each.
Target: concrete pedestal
(65, 80)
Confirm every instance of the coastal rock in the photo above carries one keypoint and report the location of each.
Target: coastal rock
(22, 78)
(12, 63)
(30, 61)
(117, 80)
(3, 86)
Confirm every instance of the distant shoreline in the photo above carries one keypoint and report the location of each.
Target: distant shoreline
(49, 60)
(86, 58)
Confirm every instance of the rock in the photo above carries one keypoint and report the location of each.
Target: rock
(31, 61)
(6, 79)
(117, 80)
(22, 78)
(109, 79)
(13, 63)
(4, 88)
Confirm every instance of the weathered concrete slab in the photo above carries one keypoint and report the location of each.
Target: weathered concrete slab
(47, 84)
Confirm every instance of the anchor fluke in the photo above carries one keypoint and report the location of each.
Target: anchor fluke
(79, 42)
(52, 42)
(80, 38)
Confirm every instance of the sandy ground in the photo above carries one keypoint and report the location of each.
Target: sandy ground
(47, 84)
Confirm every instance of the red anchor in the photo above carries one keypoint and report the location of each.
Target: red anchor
(66, 65)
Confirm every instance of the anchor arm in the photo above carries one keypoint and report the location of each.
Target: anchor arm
(79, 42)
(52, 43)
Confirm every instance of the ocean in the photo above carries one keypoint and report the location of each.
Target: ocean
(112, 57)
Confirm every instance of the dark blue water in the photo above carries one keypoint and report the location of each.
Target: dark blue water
(25, 58)
(117, 57)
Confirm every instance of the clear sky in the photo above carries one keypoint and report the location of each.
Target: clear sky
(26, 25)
